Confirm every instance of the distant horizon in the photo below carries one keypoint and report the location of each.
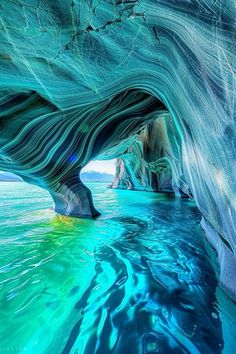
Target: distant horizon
(102, 166)
(98, 166)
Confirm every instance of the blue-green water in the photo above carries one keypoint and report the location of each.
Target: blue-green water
(138, 279)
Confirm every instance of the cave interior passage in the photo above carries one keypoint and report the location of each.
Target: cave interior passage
(156, 151)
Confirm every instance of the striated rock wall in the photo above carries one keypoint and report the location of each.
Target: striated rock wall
(78, 78)
(153, 161)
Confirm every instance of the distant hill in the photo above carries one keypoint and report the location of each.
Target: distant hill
(90, 176)
(9, 177)
(93, 176)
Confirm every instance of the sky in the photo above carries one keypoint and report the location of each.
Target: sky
(107, 166)
(7, 173)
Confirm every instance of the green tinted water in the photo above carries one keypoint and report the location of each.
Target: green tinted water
(135, 280)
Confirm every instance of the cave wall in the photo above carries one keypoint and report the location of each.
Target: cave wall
(79, 77)
(153, 161)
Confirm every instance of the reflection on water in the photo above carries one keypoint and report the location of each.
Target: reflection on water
(136, 280)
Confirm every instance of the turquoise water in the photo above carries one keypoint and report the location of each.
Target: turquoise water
(138, 279)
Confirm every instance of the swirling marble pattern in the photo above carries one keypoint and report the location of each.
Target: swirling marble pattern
(151, 161)
(78, 77)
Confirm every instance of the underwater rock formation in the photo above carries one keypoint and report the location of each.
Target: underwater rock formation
(78, 78)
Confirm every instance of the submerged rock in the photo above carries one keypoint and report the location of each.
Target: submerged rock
(79, 79)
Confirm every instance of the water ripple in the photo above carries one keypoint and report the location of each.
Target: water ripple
(136, 280)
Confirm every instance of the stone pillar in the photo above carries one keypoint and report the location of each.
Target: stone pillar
(73, 198)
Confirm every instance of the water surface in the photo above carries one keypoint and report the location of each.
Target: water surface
(138, 279)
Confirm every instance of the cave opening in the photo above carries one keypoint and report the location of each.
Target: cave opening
(134, 127)
(142, 137)
(156, 147)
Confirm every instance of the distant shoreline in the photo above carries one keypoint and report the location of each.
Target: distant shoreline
(4, 180)
(86, 177)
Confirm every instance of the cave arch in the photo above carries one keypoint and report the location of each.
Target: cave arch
(121, 119)
(50, 150)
